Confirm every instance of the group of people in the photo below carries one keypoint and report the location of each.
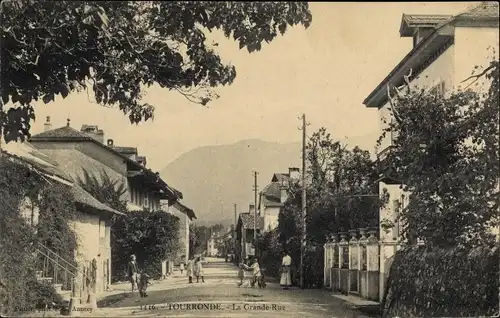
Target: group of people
(258, 275)
(139, 280)
(194, 268)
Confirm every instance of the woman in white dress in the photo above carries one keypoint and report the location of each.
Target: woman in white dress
(286, 276)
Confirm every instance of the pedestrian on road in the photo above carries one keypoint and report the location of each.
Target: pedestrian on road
(286, 277)
(198, 269)
(190, 269)
(241, 274)
(256, 273)
(181, 267)
(143, 284)
(132, 271)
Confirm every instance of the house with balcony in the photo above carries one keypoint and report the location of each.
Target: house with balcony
(248, 224)
(274, 195)
(91, 225)
(446, 49)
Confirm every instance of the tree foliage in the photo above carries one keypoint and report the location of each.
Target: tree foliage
(446, 152)
(115, 48)
(24, 189)
(151, 236)
(341, 192)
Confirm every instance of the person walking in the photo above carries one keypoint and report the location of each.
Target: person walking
(286, 277)
(190, 269)
(132, 271)
(181, 267)
(256, 273)
(198, 269)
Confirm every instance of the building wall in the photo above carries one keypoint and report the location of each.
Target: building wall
(93, 242)
(73, 158)
(472, 45)
(183, 234)
(270, 218)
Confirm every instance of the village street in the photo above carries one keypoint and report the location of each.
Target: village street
(220, 297)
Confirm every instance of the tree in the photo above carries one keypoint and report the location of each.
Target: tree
(152, 236)
(446, 153)
(115, 48)
(341, 192)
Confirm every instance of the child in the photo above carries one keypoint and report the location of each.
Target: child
(241, 275)
(143, 284)
(181, 267)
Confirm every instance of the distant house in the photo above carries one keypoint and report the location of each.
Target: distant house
(273, 196)
(91, 223)
(247, 224)
(446, 49)
(186, 216)
(76, 150)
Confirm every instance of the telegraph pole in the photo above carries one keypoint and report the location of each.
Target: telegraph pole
(304, 211)
(255, 189)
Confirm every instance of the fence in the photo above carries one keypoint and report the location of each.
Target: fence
(352, 265)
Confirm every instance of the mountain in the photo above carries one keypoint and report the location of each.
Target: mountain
(214, 178)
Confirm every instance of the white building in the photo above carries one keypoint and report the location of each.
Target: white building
(445, 51)
(273, 196)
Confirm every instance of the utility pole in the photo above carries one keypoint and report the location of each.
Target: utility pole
(234, 231)
(255, 189)
(304, 211)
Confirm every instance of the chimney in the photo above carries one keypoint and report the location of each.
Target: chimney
(110, 142)
(47, 125)
(294, 173)
(141, 160)
(94, 132)
(251, 208)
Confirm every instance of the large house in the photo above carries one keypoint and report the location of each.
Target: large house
(91, 225)
(446, 49)
(274, 195)
(82, 150)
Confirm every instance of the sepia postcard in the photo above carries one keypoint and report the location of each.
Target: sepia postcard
(249, 159)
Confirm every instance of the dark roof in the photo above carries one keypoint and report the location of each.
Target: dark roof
(83, 197)
(184, 209)
(411, 21)
(280, 177)
(67, 133)
(430, 44)
(247, 221)
(271, 194)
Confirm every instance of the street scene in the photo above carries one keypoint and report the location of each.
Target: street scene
(245, 159)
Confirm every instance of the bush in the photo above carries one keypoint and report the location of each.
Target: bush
(152, 236)
(452, 282)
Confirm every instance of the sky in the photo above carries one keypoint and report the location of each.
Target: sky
(325, 71)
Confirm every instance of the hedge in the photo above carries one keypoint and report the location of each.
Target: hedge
(451, 282)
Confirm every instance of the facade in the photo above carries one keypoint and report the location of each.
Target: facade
(446, 49)
(91, 222)
(273, 196)
(212, 250)
(247, 223)
(82, 150)
(186, 216)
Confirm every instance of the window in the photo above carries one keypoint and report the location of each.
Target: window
(146, 200)
(102, 229)
(132, 192)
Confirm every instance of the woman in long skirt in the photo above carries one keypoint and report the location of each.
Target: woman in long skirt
(286, 277)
